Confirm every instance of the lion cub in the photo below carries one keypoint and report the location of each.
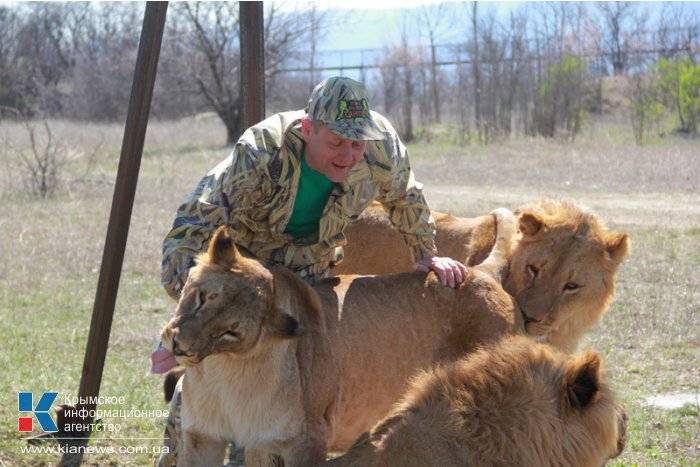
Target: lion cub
(562, 268)
(514, 403)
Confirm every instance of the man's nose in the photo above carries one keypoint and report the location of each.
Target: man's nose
(346, 153)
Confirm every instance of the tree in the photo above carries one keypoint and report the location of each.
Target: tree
(206, 34)
(561, 98)
(677, 31)
(616, 16)
(73, 60)
(48, 40)
(17, 86)
(204, 42)
(680, 80)
(646, 110)
(103, 69)
(432, 18)
(476, 71)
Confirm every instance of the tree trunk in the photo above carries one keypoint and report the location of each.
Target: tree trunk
(477, 74)
(231, 117)
(436, 91)
(408, 105)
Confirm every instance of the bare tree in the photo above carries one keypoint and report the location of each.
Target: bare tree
(42, 163)
(646, 109)
(389, 77)
(616, 16)
(518, 70)
(408, 79)
(42, 49)
(314, 33)
(208, 34)
(17, 85)
(60, 59)
(476, 70)
(104, 62)
(204, 40)
(432, 19)
(678, 32)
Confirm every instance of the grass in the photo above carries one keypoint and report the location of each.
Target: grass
(52, 249)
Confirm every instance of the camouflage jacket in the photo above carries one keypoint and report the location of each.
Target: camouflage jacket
(253, 191)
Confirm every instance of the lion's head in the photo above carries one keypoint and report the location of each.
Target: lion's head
(562, 271)
(228, 305)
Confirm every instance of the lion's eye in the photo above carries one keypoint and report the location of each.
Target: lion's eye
(533, 270)
(570, 286)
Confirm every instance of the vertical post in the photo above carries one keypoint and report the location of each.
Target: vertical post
(120, 215)
(122, 203)
(252, 62)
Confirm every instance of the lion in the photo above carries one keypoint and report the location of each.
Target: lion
(513, 402)
(281, 367)
(562, 269)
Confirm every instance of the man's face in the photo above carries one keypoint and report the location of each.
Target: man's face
(329, 153)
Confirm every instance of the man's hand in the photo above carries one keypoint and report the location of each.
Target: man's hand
(449, 271)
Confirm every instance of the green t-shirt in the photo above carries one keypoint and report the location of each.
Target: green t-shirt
(312, 196)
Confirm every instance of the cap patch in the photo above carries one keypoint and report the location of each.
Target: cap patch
(352, 108)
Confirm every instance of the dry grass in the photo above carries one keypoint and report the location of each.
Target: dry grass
(52, 251)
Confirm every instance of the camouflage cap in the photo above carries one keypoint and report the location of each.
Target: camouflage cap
(342, 105)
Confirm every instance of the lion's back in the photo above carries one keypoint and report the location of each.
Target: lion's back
(374, 246)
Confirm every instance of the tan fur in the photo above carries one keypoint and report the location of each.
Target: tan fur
(513, 403)
(567, 244)
(278, 366)
(386, 253)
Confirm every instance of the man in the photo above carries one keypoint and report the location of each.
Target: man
(294, 181)
(291, 185)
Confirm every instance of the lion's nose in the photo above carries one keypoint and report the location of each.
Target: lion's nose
(524, 315)
(176, 348)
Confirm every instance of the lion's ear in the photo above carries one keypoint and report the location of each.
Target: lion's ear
(222, 250)
(530, 223)
(583, 380)
(284, 326)
(617, 245)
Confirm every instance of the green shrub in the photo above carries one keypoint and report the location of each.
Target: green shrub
(561, 98)
(646, 108)
(679, 79)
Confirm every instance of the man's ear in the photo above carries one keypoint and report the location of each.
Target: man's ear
(222, 250)
(306, 128)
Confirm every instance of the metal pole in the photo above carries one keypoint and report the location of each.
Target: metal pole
(122, 202)
(252, 62)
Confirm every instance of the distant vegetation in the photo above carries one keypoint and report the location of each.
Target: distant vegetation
(539, 71)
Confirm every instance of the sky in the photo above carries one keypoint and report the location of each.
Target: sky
(372, 25)
(377, 22)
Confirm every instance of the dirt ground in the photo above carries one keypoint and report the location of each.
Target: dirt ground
(627, 185)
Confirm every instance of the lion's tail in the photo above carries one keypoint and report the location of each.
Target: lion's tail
(496, 264)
